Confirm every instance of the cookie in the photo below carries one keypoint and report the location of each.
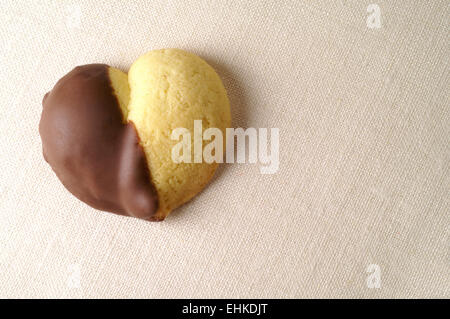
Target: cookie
(107, 136)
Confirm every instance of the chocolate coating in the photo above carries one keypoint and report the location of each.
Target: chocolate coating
(95, 154)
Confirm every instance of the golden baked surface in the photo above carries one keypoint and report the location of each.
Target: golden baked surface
(170, 89)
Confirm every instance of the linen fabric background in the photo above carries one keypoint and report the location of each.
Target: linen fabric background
(364, 176)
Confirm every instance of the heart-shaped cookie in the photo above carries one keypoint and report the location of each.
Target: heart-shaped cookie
(107, 135)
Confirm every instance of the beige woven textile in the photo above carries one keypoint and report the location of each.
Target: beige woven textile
(361, 199)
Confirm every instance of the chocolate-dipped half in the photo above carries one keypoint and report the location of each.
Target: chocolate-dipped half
(90, 146)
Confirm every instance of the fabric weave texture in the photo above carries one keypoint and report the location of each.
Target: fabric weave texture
(364, 176)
